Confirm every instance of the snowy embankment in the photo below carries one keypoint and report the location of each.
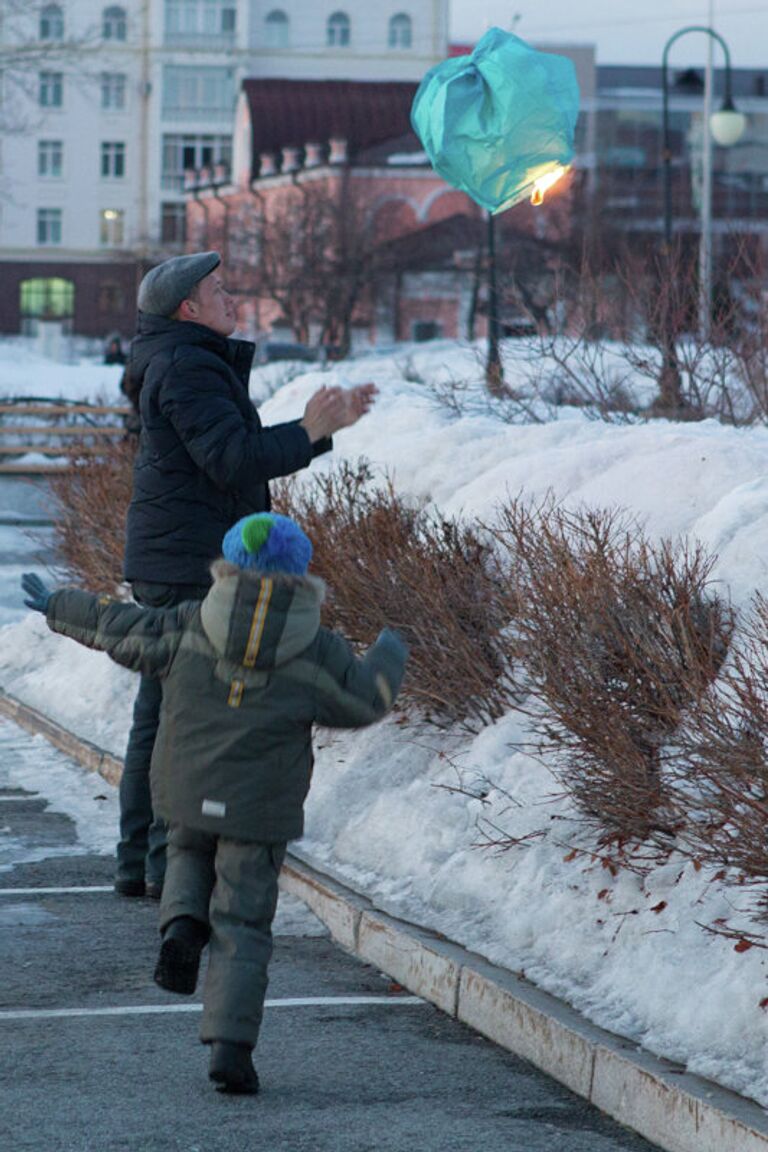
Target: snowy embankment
(385, 814)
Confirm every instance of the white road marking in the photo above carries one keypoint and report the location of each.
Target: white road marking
(20, 799)
(162, 1009)
(55, 891)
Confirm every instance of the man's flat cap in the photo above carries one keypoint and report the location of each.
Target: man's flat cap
(164, 287)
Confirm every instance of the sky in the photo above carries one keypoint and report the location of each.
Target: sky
(623, 30)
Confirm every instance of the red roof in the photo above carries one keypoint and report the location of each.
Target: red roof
(292, 113)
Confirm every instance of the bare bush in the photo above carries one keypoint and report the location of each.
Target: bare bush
(89, 523)
(618, 636)
(435, 580)
(721, 762)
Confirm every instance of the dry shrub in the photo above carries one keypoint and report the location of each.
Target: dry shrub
(89, 520)
(435, 580)
(618, 636)
(721, 767)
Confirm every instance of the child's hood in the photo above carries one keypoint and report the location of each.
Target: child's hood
(261, 620)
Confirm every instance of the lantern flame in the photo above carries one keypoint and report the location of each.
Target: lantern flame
(543, 184)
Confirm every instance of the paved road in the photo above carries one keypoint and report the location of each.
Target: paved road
(95, 1058)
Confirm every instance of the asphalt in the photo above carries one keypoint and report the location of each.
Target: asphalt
(95, 1058)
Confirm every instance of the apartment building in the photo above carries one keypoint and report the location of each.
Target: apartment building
(106, 106)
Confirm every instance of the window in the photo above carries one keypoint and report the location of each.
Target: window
(49, 225)
(113, 86)
(114, 25)
(338, 30)
(47, 299)
(184, 152)
(111, 227)
(424, 330)
(51, 23)
(110, 298)
(194, 92)
(50, 158)
(173, 224)
(277, 27)
(196, 20)
(51, 89)
(113, 159)
(400, 31)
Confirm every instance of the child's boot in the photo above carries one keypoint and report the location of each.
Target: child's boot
(232, 1069)
(179, 960)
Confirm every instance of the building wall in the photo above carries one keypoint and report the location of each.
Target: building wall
(180, 90)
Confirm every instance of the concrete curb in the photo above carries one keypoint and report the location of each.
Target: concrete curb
(657, 1098)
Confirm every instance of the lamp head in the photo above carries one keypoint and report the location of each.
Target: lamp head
(727, 126)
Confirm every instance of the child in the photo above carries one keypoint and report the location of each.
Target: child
(246, 673)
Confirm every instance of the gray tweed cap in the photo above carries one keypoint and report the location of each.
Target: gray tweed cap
(164, 287)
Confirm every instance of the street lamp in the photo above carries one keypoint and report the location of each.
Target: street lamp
(726, 127)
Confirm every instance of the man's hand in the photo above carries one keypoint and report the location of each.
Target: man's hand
(333, 408)
(37, 593)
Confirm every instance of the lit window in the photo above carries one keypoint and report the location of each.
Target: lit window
(51, 91)
(49, 225)
(400, 31)
(114, 25)
(338, 30)
(50, 158)
(47, 299)
(278, 29)
(111, 227)
(113, 159)
(51, 23)
(113, 86)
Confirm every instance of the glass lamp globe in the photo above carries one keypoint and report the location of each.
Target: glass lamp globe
(727, 126)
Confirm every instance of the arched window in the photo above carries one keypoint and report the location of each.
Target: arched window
(401, 31)
(47, 299)
(278, 29)
(51, 23)
(114, 24)
(338, 30)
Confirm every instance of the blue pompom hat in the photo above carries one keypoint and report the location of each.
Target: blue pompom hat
(268, 542)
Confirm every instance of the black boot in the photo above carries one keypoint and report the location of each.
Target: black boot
(232, 1069)
(179, 960)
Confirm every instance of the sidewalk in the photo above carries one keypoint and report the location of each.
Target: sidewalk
(656, 1098)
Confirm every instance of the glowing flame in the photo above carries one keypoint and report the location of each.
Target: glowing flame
(543, 184)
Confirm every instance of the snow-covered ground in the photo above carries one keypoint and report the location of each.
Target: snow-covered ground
(382, 814)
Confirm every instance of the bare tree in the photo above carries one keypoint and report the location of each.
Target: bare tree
(312, 253)
(34, 38)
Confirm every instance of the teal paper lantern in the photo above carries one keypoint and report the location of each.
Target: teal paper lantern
(499, 124)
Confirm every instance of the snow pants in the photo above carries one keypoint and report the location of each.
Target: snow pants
(230, 885)
(141, 848)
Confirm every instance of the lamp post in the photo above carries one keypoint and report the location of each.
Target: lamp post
(494, 374)
(726, 126)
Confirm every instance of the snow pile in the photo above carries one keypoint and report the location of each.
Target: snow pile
(399, 815)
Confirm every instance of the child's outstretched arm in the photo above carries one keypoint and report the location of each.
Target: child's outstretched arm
(353, 692)
(143, 639)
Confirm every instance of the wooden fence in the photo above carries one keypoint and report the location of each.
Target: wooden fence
(40, 436)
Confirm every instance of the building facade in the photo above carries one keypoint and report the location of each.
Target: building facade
(106, 106)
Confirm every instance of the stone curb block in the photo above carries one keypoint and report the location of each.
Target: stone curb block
(339, 914)
(78, 748)
(412, 959)
(657, 1098)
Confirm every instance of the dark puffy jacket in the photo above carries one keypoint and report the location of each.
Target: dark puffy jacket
(204, 459)
(245, 676)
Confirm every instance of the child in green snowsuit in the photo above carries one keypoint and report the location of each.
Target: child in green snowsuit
(246, 674)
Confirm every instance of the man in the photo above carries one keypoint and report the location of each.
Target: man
(204, 461)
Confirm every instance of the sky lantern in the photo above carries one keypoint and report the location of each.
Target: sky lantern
(499, 124)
